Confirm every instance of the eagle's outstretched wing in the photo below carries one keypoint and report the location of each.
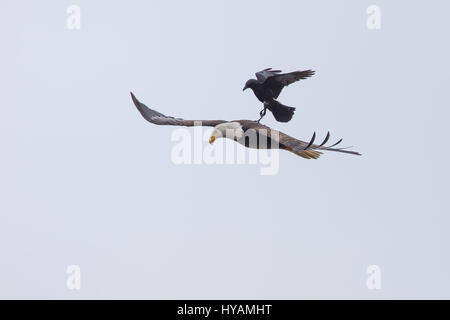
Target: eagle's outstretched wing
(298, 146)
(305, 149)
(276, 81)
(161, 119)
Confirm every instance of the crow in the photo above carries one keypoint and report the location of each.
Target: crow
(267, 87)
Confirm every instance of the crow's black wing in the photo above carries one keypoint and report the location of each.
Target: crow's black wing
(160, 119)
(277, 82)
(263, 75)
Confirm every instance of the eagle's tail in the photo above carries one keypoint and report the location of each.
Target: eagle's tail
(307, 154)
(281, 112)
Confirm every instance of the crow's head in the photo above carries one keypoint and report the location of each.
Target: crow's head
(250, 84)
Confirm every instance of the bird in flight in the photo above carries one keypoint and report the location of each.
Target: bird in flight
(242, 132)
(267, 87)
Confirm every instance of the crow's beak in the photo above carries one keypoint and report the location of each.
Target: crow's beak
(245, 87)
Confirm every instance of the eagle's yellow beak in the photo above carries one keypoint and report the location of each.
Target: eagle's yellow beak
(212, 139)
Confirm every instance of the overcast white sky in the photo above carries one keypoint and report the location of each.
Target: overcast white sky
(84, 180)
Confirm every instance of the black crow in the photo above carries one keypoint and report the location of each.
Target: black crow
(267, 87)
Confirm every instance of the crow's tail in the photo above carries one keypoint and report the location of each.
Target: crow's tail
(281, 112)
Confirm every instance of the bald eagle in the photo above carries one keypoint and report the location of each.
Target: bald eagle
(249, 133)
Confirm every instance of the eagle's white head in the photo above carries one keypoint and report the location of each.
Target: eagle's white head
(230, 130)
